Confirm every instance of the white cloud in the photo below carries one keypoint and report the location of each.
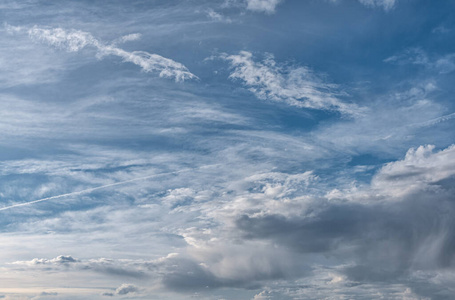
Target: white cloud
(125, 289)
(76, 40)
(294, 85)
(265, 6)
(386, 4)
(213, 15)
(420, 169)
(264, 295)
(128, 38)
(59, 260)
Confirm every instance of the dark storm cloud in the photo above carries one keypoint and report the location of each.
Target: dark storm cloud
(385, 240)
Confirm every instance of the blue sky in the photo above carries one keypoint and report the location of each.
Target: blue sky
(229, 149)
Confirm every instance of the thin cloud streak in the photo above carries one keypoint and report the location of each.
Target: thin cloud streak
(75, 40)
(102, 187)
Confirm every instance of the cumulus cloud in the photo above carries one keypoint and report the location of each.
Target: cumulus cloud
(297, 86)
(421, 168)
(76, 40)
(367, 238)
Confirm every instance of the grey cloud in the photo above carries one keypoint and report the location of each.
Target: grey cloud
(387, 242)
(64, 259)
(108, 294)
(116, 268)
(48, 294)
(185, 274)
(380, 241)
(380, 234)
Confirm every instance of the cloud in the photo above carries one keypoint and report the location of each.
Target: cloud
(366, 236)
(356, 242)
(26, 64)
(265, 6)
(48, 294)
(108, 294)
(385, 4)
(59, 260)
(264, 295)
(442, 64)
(126, 289)
(213, 15)
(76, 40)
(420, 168)
(90, 190)
(412, 55)
(391, 124)
(296, 86)
(269, 6)
(128, 38)
(111, 267)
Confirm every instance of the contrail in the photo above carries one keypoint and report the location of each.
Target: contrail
(102, 187)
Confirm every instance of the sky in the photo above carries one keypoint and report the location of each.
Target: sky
(227, 149)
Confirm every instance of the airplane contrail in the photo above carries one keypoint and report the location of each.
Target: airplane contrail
(101, 187)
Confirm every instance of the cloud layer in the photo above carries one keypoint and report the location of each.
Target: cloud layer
(313, 157)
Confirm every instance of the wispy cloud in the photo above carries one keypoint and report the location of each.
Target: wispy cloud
(294, 85)
(385, 4)
(96, 188)
(269, 6)
(442, 64)
(265, 6)
(76, 40)
(215, 16)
